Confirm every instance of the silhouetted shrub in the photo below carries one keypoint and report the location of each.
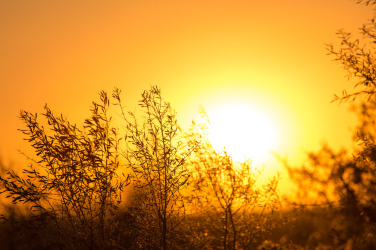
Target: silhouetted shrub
(71, 186)
(343, 182)
(235, 212)
(156, 158)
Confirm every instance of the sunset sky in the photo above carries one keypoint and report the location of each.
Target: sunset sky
(268, 55)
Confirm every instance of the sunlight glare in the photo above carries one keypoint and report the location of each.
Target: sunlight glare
(242, 131)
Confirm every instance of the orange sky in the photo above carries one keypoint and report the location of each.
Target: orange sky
(269, 52)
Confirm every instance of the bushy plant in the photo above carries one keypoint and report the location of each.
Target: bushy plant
(345, 182)
(72, 186)
(156, 159)
(235, 212)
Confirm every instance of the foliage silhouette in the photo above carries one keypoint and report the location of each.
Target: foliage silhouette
(156, 157)
(366, 2)
(344, 182)
(358, 60)
(225, 193)
(72, 186)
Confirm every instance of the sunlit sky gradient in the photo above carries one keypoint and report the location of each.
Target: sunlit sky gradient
(268, 53)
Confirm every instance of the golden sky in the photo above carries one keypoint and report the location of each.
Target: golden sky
(269, 54)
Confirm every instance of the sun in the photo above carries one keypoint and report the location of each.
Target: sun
(243, 131)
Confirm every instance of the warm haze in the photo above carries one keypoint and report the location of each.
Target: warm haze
(268, 55)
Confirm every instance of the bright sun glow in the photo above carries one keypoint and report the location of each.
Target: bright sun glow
(242, 131)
